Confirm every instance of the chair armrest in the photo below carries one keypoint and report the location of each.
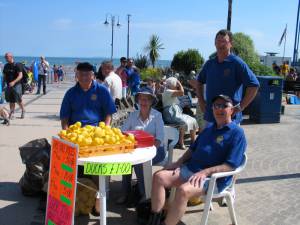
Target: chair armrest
(225, 174)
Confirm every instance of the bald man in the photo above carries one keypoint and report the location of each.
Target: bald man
(12, 77)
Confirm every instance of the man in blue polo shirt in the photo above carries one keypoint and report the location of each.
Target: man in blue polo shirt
(219, 148)
(226, 74)
(87, 102)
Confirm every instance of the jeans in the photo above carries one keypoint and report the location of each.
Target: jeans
(41, 78)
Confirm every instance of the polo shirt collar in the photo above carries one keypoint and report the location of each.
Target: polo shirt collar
(228, 126)
(229, 58)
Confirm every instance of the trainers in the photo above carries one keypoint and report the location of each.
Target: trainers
(23, 115)
(11, 115)
(6, 122)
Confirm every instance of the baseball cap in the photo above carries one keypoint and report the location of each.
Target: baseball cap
(224, 97)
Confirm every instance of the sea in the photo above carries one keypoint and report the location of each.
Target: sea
(69, 62)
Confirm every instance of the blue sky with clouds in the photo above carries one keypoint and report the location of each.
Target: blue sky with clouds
(76, 29)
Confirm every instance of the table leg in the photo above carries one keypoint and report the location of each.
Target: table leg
(102, 190)
(147, 170)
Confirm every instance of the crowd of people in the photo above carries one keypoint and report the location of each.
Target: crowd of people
(289, 73)
(217, 145)
(220, 145)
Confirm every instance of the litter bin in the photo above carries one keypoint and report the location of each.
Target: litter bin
(266, 107)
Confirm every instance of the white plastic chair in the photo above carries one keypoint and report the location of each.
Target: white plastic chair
(171, 136)
(228, 193)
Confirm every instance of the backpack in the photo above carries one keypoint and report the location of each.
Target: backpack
(25, 77)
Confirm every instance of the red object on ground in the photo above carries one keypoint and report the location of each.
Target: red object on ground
(143, 138)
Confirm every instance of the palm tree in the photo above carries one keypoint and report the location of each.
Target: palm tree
(153, 48)
(229, 15)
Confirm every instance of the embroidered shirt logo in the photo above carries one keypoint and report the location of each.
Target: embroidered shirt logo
(227, 72)
(219, 139)
(94, 97)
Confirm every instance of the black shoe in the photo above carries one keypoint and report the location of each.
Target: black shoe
(23, 115)
(94, 212)
(6, 122)
(155, 219)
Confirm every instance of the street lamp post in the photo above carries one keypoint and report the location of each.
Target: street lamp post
(112, 22)
(128, 21)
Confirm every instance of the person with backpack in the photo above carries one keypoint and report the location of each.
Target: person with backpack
(13, 78)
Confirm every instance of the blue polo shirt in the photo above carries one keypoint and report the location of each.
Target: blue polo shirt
(228, 78)
(88, 107)
(217, 146)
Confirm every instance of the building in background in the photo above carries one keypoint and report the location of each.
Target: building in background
(271, 58)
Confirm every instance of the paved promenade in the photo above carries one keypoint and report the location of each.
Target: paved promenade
(267, 191)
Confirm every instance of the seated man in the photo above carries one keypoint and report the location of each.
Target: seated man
(219, 148)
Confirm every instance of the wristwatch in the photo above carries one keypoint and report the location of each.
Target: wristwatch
(238, 107)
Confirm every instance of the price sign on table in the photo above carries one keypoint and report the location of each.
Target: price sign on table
(62, 183)
(107, 169)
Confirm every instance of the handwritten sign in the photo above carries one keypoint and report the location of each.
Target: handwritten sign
(62, 183)
(107, 169)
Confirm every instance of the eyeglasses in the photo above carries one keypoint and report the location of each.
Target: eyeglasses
(84, 73)
(220, 106)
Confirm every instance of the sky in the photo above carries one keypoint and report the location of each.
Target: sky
(66, 28)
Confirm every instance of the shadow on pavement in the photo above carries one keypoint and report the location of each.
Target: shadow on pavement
(48, 117)
(20, 209)
(268, 178)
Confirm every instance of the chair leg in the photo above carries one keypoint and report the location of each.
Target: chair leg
(230, 204)
(107, 181)
(204, 218)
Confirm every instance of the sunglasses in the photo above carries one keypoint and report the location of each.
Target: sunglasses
(220, 106)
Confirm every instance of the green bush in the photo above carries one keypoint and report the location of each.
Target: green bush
(186, 61)
(261, 70)
(154, 73)
(141, 61)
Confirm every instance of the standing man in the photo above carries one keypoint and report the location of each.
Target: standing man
(112, 81)
(87, 102)
(43, 68)
(12, 76)
(129, 70)
(226, 74)
(122, 74)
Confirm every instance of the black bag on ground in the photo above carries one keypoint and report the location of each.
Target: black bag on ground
(36, 156)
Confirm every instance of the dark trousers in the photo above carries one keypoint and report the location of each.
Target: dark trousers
(41, 78)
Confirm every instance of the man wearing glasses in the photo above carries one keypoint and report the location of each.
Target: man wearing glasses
(226, 74)
(219, 148)
(87, 102)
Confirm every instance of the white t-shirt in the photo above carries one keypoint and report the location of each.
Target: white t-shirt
(114, 84)
(168, 99)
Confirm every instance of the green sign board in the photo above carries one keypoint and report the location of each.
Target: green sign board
(107, 169)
